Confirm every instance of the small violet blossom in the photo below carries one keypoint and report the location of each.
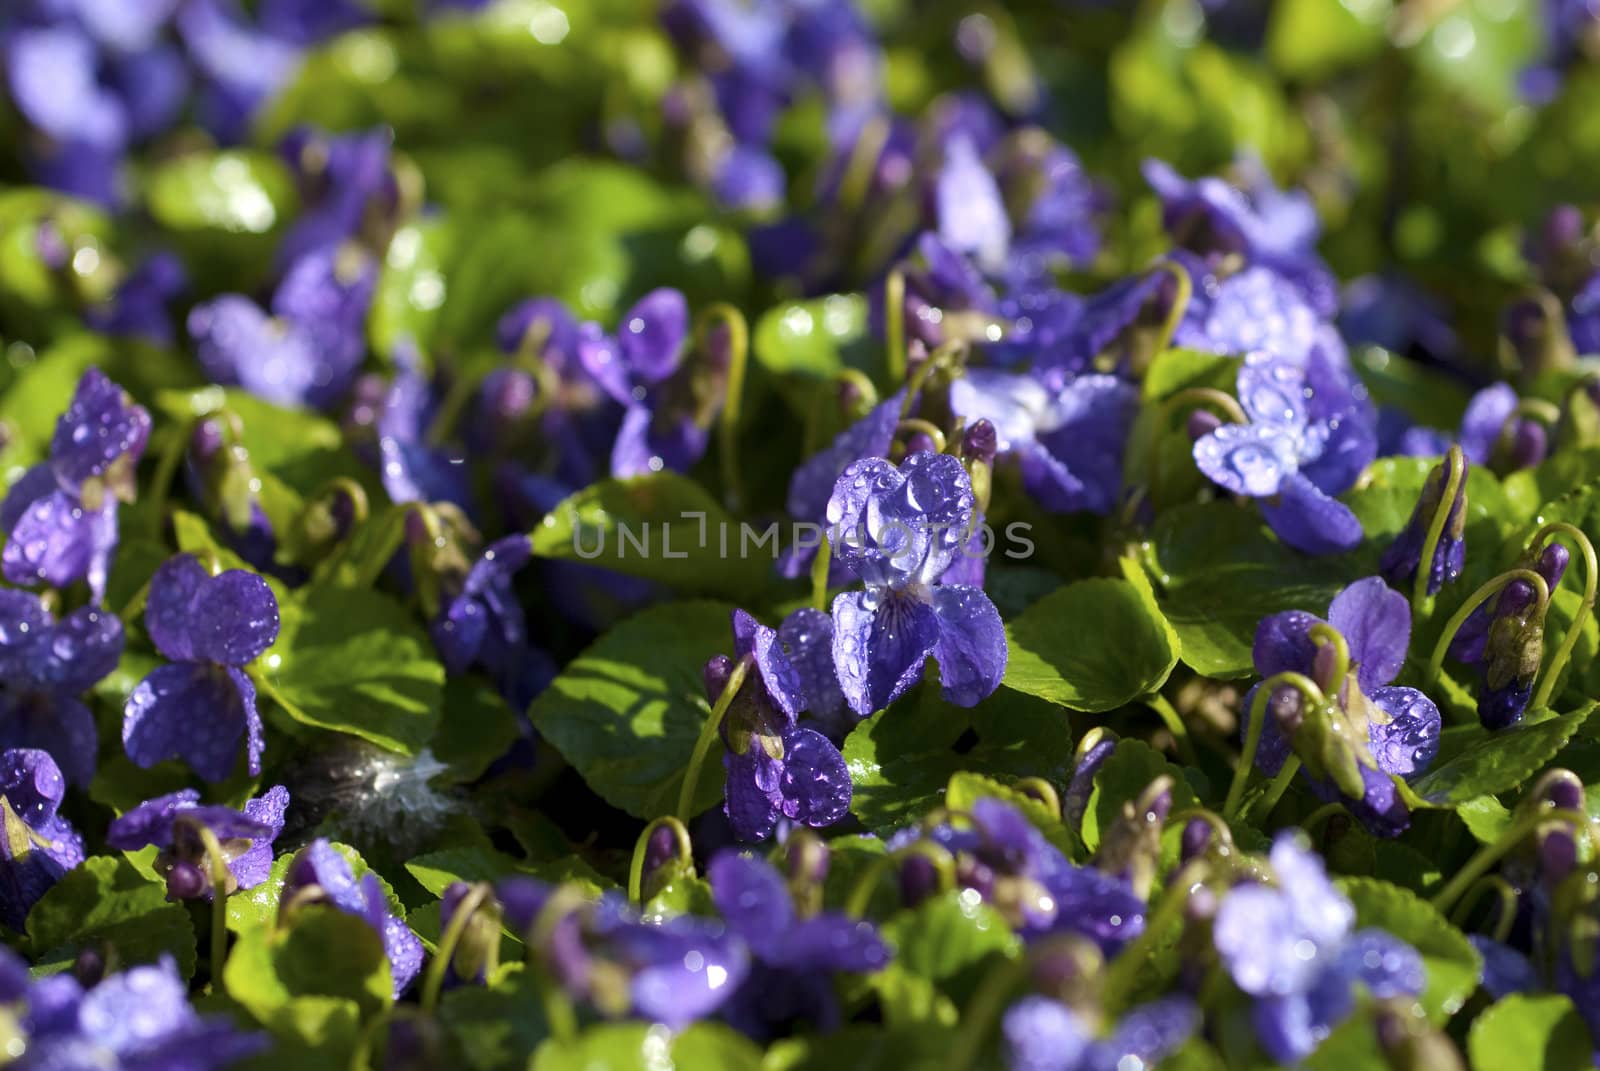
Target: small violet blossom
(1309, 437)
(61, 515)
(1492, 434)
(45, 666)
(202, 707)
(319, 873)
(1068, 443)
(39, 845)
(1402, 558)
(482, 623)
(174, 822)
(1504, 638)
(899, 530)
(793, 957)
(1293, 947)
(775, 767)
(1392, 731)
(1042, 1034)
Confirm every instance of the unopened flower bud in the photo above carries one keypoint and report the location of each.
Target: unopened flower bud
(919, 879)
(1561, 789)
(1558, 854)
(89, 968)
(806, 857)
(1200, 423)
(1069, 969)
(980, 442)
(1402, 558)
(920, 442)
(1093, 750)
(717, 670)
(185, 881)
(1195, 841)
(1411, 1043)
(1529, 445)
(660, 849)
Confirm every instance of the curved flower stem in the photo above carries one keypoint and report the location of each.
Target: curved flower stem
(448, 940)
(1321, 815)
(732, 321)
(860, 897)
(894, 324)
(855, 905)
(1252, 740)
(166, 471)
(455, 400)
(1321, 633)
(946, 356)
(708, 733)
(1194, 398)
(1180, 305)
(1174, 722)
(1504, 918)
(219, 901)
(1037, 788)
(1441, 516)
(359, 505)
(1483, 594)
(1591, 586)
(1124, 970)
(927, 427)
(1490, 854)
(1280, 785)
(641, 847)
(558, 1011)
(983, 1011)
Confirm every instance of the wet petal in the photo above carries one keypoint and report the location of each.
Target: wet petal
(651, 335)
(807, 634)
(173, 607)
(812, 483)
(750, 896)
(972, 648)
(100, 426)
(236, 618)
(880, 643)
(1309, 521)
(778, 674)
(814, 788)
(57, 724)
(1375, 621)
(197, 713)
(1486, 415)
(1043, 1035)
(1407, 744)
(1254, 460)
(752, 812)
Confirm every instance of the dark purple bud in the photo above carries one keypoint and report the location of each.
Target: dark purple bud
(1529, 444)
(185, 881)
(89, 968)
(920, 442)
(1553, 563)
(717, 670)
(661, 849)
(919, 879)
(1200, 423)
(851, 396)
(1095, 747)
(1562, 789)
(1402, 558)
(1287, 705)
(207, 440)
(1195, 840)
(51, 246)
(1558, 854)
(975, 875)
(806, 858)
(980, 442)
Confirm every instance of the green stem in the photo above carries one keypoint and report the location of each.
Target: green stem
(1490, 854)
(1124, 970)
(1320, 815)
(1252, 740)
(1180, 305)
(166, 471)
(708, 733)
(855, 905)
(219, 902)
(1194, 398)
(1483, 594)
(733, 321)
(983, 1011)
(894, 324)
(945, 356)
(448, 940)
(927, 427)
(1174, 723)
(642, 845)
(558, 1011)
(1280, 785)
(1504, 918)
(819, 574)
(1591, 578)
(1436, 525)
(1321, 632)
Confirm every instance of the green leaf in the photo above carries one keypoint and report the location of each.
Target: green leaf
(662, 527)
(1451, 962)
(642, 1047)
(1425, 394)
(495, 1029)
(947, 933)
(1539, 1033)
(1126, 772)
(436, 871)
(106, 901)
(322, 952)
(257, 907)
(816, 338)
(1475, 762)
(238, 191)
(627, 711)
(861, 1047)
(476, 727)
(902, 759)
(1181, 369)
(412, 286)
(1308, 39)
(1217, 572)
(353, 661)
(1127, 653)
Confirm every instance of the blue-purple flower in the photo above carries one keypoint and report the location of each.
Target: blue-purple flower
(307, 352)
(673, 972)
(39, 845)
(1042, 1034)
(899, 530)
(45, 665)
(482, 623)
(141, 305)
(794, 957)
(61, 516)
(1382, 731)
(342, 178)
(1504, 638)
(775, 767)
(137, 1020)
(1310, 435)
(202, 707)
(1293, 946)
(174, 822)
(1068, 443)
(1402, 558)
(320, 874)
(1493, 433)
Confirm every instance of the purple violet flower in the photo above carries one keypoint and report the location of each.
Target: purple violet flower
(173, 823)
(1293, 947)
(202, 707)
(320, 874)
(1311, 434)
(794, 958)
(899, 530)
(775, 767)
(1393, 730)
(1042, 1034)
(1504, 638)
(1402, 558)
(62, 515)
(39, 845)
(45, 665)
